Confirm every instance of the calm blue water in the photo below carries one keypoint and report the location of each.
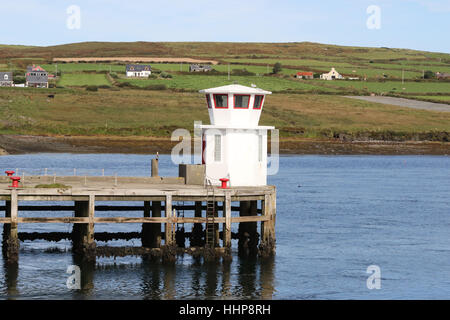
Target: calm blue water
(336, 216)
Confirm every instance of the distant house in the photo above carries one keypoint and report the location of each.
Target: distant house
(36, 77)
(304, 75)
(138, 70)
(199, 68)
(442, 75)
(6, 79)
(332, 75)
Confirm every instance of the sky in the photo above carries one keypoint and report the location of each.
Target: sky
(412, 24)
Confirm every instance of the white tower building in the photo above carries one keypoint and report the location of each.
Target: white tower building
(234, 146)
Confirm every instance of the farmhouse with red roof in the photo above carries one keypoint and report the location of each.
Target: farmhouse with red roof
(304, 75)
(36, 77)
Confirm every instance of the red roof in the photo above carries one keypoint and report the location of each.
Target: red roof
(36, 68)
(304, 73)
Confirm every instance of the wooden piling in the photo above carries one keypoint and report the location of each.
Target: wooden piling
(248, 235)
(146, 227)
(226, 233)
(197, 231)
(169, 225)
(10, 243)
(155, 168)
(83, 233)
(227, 225)
(267, 245)
(156, 227)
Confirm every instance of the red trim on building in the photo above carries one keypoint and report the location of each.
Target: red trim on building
(260, 104)
(203, 148)
(243, 95)
(220, 94)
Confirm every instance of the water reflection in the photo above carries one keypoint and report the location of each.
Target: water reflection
(87, 269)
(11, 272)
(239, 279)
(254, 280)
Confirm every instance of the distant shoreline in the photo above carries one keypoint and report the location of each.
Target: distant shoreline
(26, 144)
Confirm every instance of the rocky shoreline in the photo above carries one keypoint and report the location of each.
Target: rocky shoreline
(23, 144)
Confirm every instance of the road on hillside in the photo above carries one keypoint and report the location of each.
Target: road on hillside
(402, 102)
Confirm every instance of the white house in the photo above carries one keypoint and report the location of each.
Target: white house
(332, 75)
(138, 70)
(6, 79)
(234, 146)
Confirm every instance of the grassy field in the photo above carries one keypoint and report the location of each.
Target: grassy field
(300, 54)
(197, 82)
(79, 67)
(170, 67)
(299, 108)
(157, 113)
(83, 79)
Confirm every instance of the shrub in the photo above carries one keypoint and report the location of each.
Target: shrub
(91, 88)
(19, 80)
(156, 87)
(242, 72)
(165, 75)
(276, 68)
(114, 75)
(18, 73)
(429, 74)
(125, 85)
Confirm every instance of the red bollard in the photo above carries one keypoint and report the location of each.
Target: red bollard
(224, 183)
(9, 173)
(15, 182)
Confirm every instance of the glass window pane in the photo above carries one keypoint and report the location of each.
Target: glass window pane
(241, 101)
(221, 100)
(258, 102)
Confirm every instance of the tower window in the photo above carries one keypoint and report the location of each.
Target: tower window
(208, 101)
(217, 148)
(241, 101)
(221, 101)
(257, 103)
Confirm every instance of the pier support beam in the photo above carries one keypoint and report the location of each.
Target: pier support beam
(267, 246)
(10, 243)
(155, 168)
(248, 235)
(151, 232)
(197, 231)
(83, 233)
(169, 248)
(227, 226)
